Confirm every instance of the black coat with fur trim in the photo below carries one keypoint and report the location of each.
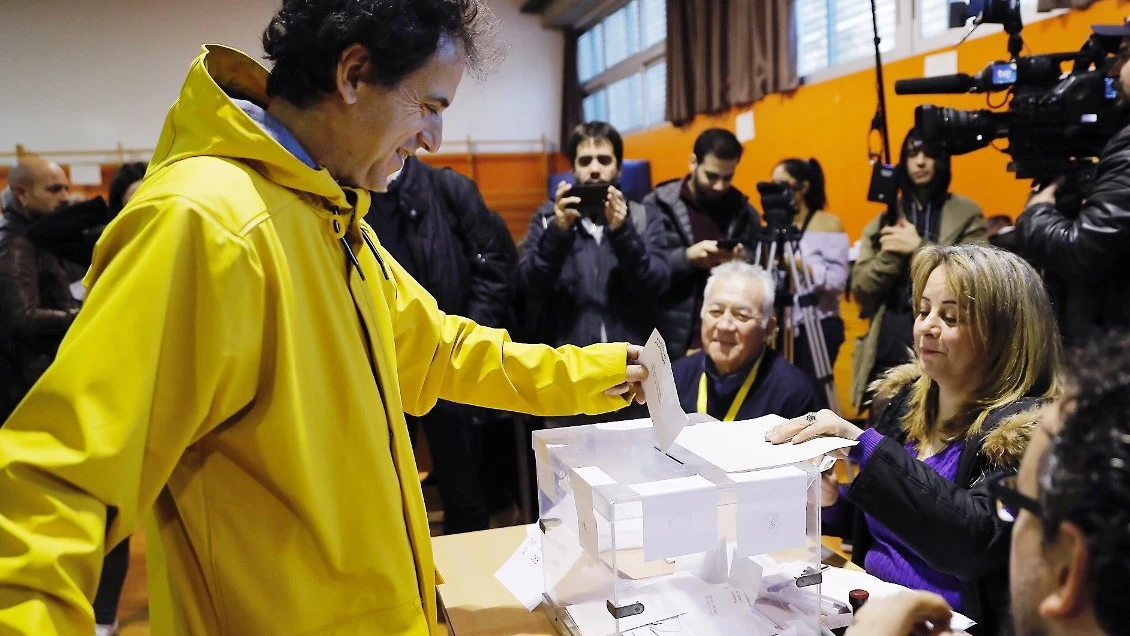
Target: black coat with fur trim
(954, 525)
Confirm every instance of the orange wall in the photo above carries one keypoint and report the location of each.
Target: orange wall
(830, 120)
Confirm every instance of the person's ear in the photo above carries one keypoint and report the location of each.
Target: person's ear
(771, 327)
(353, 69)
(693, 163)
(20, 194)
(1071, 560)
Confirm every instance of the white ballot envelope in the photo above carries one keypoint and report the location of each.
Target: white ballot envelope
(662, 398)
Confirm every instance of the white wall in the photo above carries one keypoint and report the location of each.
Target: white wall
(90, 75)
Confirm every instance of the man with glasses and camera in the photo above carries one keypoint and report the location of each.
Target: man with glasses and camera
(1085, 251)
(735, 376)
(1070, 512)
(592, 267)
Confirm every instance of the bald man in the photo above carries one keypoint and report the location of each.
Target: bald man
(36, 305)
(39, 187)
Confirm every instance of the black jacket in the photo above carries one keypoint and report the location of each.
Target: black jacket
(571, 284)
(954, 525)
(1091, 250)
(462, 251)
(779, 389)
(36, 309)
(678, 307)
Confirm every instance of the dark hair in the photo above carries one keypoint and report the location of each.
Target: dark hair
(718, 142)
(595, 131)
(305, 40)
(1086, 476)
(126, 176)
(811, 173)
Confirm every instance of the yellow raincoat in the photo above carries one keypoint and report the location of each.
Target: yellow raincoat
(233, 372)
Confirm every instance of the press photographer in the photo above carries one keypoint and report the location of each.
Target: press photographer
(1088, 247)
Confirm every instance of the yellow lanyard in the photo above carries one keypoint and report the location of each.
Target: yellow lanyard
(732, 414)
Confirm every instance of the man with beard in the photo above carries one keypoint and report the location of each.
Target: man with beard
(880, 279)
(1088, 249)
(36, 305)
(708, 222)
(593, 276)
(1070, 508)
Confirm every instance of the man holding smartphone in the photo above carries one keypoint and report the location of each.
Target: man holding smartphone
(592, 268)
(708, 222)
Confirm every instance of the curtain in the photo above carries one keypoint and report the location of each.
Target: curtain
(724, 53)
(572, 106)
(762, 49)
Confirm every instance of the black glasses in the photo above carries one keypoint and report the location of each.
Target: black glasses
(1009, 500)
(604, 160)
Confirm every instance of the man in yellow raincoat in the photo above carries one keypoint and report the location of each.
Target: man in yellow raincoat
(247, 351)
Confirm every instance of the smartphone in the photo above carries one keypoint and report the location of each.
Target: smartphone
(727, 243)
(593, 197)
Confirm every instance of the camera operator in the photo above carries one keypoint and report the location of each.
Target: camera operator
(1088, 248)
(880, 281)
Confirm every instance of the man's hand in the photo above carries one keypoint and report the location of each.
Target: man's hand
(1047, 195)
(637, 373)
(563, 215)
(903, 615)
(615, 209)
(901, 238)
(707, 255)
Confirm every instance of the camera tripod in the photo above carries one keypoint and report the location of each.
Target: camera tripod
(778, 251)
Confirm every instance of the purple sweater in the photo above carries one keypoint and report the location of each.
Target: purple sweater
(889, 558)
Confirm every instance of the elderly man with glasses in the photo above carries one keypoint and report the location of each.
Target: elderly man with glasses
(735, 376)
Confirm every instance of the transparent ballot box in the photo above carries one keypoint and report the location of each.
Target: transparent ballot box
(640, 542)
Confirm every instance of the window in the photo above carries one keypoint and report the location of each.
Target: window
(620, 61)
(831, 32)
(933, 18)
(836, 36)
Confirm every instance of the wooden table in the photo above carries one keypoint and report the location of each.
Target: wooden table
(474, 603)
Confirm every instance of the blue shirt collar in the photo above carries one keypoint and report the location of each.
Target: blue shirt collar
(275, 128)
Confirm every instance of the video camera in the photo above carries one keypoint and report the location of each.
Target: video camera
(778, 204)
(1055, 123)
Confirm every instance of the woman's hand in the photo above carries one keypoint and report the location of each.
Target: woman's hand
(823, 423)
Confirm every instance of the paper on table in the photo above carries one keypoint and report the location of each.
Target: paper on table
(680, 516)
(837, 583)
(584, 480)
(522, 574)
(662, 399)
(740, 446)
(771, 509)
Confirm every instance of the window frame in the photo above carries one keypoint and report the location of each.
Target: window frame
(637, 63)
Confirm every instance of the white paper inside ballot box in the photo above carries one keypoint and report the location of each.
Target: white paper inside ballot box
(772, 507)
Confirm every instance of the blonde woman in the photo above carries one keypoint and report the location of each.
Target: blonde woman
(986, 355)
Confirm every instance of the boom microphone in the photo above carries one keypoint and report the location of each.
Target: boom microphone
(949, 84)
